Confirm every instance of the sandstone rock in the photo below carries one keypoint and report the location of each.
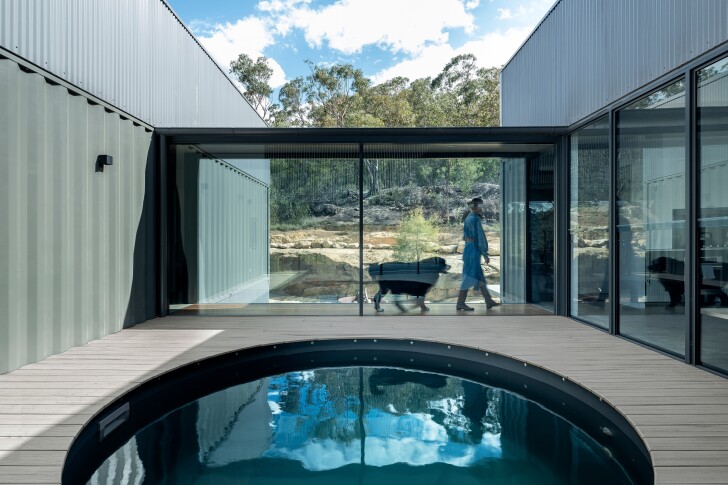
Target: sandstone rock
(597, 243)
(321, 210)
(450, 249)
(316, 291)
(302, 245)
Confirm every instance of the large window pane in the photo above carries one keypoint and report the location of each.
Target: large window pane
(589, 223)
(651, 218)
(712, 99)
(540, 234)
(257, 230)
(414, 207)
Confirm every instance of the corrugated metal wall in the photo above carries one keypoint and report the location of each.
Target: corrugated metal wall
(589, 53)
(68, 243)
(224, 231)
(133, 54)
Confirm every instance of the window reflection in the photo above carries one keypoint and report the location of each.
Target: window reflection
(651, 218)
(589, 223)
(712, 103)
(361, 425)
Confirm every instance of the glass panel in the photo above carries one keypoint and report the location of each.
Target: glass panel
(414, 208)
(589, 223)
(255, 231)
(514, 230)
(274, 229)
(541, 229)
(651, 218)
(712, 99)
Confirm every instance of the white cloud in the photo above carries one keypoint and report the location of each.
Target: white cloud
(278, 6)
(532, 11)
(416, 31)
(250, 36)
(505, 13)
(406, 26)
(492, 49)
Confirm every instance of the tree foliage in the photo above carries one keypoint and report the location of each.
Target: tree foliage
(416, 236)
(340, 96)
(254, 76)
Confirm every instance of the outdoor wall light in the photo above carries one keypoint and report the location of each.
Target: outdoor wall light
(102, 160)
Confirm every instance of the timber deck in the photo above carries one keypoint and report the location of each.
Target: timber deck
(680, 411)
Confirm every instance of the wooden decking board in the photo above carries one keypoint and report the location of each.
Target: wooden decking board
(695, 475)
(684, 443)
(29, 474)
(45, 443)
(35, 430)
(681, 411)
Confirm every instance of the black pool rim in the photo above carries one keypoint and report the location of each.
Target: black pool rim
(117, 422)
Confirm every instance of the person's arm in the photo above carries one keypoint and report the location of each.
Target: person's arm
(481, 241)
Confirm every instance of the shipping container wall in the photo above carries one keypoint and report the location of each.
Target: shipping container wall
(587, 54)
(76, 242)
(133, 54)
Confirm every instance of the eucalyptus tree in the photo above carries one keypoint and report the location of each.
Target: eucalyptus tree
(469, 95)
(255, 76)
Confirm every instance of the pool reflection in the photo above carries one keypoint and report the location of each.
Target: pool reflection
(361, 425)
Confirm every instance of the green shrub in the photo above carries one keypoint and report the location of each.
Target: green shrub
(415, 237)
(288, 212)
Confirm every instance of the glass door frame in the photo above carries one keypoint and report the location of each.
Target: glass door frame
(493, 142)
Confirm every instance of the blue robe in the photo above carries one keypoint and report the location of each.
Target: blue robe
(475, 246)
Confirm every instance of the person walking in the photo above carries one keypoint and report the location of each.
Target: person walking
(476, 245)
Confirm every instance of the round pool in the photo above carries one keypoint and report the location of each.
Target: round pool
(369, 423)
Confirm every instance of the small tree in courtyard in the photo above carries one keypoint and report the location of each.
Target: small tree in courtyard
(415, 236)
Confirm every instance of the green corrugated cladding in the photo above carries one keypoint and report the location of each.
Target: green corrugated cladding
(68, 233)
(225, 230)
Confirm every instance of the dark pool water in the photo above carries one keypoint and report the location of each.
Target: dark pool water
(363, 425)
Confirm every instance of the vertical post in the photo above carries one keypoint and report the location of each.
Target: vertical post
(163, 229)
(562, 258)
(527, 263)
(613, 234)
(361, 229)
(692, 245)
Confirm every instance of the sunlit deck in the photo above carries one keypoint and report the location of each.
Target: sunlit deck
(680, 411)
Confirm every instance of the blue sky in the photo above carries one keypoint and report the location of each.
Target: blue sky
(383, 38)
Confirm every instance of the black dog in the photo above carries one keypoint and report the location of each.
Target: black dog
(413, 279)
(670, 274)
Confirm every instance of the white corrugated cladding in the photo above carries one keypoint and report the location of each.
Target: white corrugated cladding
(133, 54)
(588, 53)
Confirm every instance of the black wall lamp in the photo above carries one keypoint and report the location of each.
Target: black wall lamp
(102, 160)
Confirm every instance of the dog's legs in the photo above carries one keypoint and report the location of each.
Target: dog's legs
(674, 297)
(377, 301)
(421, 303)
